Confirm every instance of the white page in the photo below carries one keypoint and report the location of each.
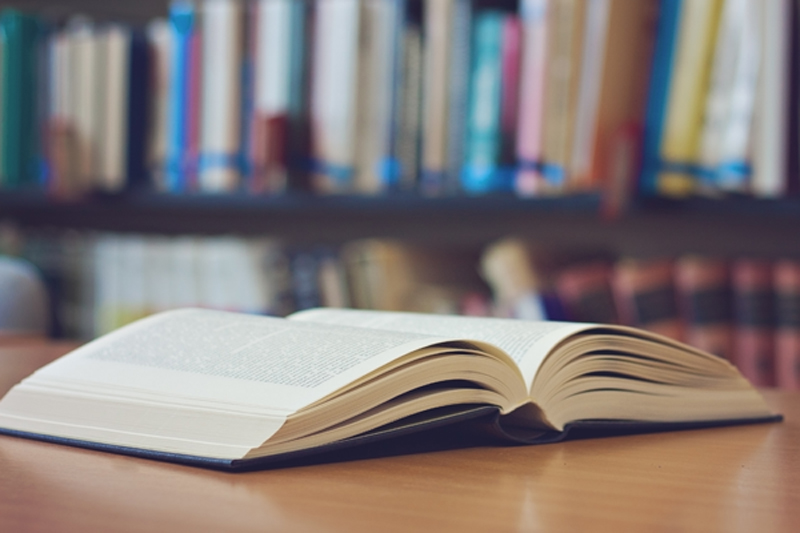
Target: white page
(527, 342)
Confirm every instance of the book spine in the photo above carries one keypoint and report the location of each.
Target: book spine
(587, 294)
(754, 319)
(17, 153)
(139, 78)
(160, 44)
(221, 104)
(509, 101)
(787, 315)
(183, 20)
(771, 128)
(437, 50)
(111, 171)
(333, 100)
(272, 86)
(660, 75)
(534, 14)
(587, 101)
(559, 91)
(459, 96)
(727, 130)
(645, 294)
(687, 93)
(408, 113)
(480, 174)
(704, 297)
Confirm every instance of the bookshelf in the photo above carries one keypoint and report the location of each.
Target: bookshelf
(652, 227)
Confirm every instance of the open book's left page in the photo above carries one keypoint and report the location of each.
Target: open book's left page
(197, 382)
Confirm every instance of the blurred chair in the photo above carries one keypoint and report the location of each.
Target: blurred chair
(24, 303)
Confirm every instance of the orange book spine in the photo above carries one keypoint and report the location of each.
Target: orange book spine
(754, 320)
(787, 333)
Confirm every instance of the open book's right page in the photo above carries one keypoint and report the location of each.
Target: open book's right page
(527, 342)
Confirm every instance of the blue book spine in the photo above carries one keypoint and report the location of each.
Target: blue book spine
(660, 74)
(482, 156)
(182, 21)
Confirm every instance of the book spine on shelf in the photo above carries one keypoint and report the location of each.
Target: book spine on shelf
(482, 155)
(334, 91)
(221, 100)
(754, 320)
(694, 47)
(529, 180)
(787, 332)
(658, 92)
(183, 18)
(18, 152)
(704, 297)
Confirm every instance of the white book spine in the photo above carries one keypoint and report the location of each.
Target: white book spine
(220, 136)
(116, 74)
(770, 130)
(273, 44)
(334, 89)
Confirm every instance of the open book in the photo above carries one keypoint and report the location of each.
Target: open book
(231, 390)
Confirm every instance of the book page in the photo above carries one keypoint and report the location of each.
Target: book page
(526, 342)
(216, 357)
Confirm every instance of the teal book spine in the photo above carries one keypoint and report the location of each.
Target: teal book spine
(18, 148)
(484, 136)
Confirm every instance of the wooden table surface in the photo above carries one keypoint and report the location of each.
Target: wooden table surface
(744, 478)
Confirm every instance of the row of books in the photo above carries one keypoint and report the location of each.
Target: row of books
(99, 282)
(746, 310)
(430, 96)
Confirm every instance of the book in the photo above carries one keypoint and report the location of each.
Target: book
(18, 152)
(686, 97)
(703, 289)
(334, 92)
(644, 290)
(232, 391)
(786, 282)
(221, 99)
(754, 319)
(529, 180)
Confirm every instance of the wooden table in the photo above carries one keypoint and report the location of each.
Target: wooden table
(732, 479)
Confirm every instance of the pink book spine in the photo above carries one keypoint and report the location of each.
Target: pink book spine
(512, 52)
(193, 119)
(529, 130)
(754, 320)
(787, 334)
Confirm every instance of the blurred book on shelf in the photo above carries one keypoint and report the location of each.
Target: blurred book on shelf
(435, 97)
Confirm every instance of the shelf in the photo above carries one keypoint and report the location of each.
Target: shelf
(654, 227)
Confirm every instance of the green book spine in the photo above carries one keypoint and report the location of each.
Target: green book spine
(18, 33)
(483, 123)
